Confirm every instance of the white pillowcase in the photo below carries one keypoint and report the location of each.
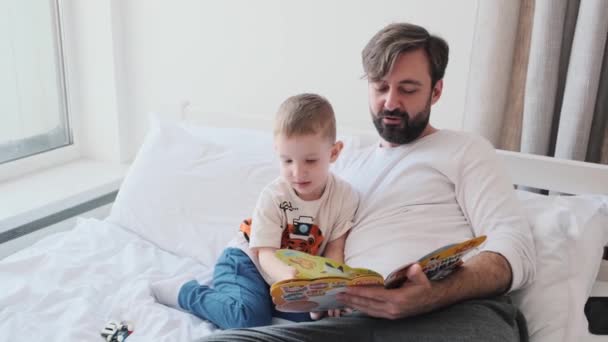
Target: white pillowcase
(569, 235)
(190, 187)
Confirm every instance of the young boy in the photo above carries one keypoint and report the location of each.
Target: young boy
(307, 208)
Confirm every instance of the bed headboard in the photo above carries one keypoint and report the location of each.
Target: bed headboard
(566, 176)
(540, 172)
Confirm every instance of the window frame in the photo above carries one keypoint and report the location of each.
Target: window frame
(55, 155)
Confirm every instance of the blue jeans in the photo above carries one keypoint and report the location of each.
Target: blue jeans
(240, 297)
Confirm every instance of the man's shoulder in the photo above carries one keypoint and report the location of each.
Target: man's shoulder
(463, 136)
(471, 142)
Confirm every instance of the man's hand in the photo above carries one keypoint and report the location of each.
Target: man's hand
(487, 274)
(412, 298)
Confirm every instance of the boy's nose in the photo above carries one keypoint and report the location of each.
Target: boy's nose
(298, 171)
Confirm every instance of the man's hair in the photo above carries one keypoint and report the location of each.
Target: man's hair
(380, 53)
(305, 114)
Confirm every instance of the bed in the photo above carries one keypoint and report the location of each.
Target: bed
(174, 213)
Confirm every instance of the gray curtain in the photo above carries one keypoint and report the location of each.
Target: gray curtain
(554, 99)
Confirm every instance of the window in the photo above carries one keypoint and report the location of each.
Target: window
(33, 97)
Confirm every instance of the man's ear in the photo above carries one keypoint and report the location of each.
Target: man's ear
(436, 92)
(335, 150)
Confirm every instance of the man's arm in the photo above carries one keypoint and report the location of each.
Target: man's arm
(484, 275)
(488, 201)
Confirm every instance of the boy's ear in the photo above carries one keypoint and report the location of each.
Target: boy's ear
(335, 150)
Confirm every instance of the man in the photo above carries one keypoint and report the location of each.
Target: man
(422, 188)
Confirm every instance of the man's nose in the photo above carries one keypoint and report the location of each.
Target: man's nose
(391, 101)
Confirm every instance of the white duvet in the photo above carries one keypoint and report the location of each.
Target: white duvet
(67, 286)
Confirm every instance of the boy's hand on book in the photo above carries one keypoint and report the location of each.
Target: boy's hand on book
(288, 272)
(339, 312)
(317, 315)
(412, 298)
(331, 313)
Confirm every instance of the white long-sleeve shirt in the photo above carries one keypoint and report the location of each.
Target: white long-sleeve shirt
(443, 188)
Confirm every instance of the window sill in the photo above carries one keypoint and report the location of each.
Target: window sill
(52, 190)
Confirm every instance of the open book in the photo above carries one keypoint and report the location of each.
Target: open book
(319, 279)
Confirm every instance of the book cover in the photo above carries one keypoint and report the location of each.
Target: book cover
(319, 279)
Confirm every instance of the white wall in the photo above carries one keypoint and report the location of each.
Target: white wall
(247, 56)
(239, 56)
(92, 81)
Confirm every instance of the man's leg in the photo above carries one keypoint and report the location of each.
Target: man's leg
(239, 297)
(477, 320)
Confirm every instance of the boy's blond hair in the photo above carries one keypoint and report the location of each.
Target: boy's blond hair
(306, 114)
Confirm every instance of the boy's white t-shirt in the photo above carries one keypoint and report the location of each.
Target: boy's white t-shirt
(443, 188)
(281, 219)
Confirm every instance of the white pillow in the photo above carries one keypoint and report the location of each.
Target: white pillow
(569, 235)
(189, 188)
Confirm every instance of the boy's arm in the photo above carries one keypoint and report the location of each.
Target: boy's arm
(335, 249)
(348, 203)
(272, 266)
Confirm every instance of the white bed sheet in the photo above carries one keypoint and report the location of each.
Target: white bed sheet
(87, 276)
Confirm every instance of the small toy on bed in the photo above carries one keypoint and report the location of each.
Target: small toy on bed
(116, 332)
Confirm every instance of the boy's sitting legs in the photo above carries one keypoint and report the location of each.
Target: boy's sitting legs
(166, 291)
(239, 297)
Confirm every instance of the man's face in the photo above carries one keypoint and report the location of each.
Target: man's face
(400, 103)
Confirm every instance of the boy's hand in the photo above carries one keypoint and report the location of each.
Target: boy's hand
(317, 315)
(331, 313)
(334, 312)
(289, 272)
(273, 267)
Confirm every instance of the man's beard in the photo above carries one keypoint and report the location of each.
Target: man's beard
(410, 128)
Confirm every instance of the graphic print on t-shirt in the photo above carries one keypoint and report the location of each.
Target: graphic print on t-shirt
(302, 235)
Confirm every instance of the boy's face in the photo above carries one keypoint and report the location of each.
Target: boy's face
(304, 162)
